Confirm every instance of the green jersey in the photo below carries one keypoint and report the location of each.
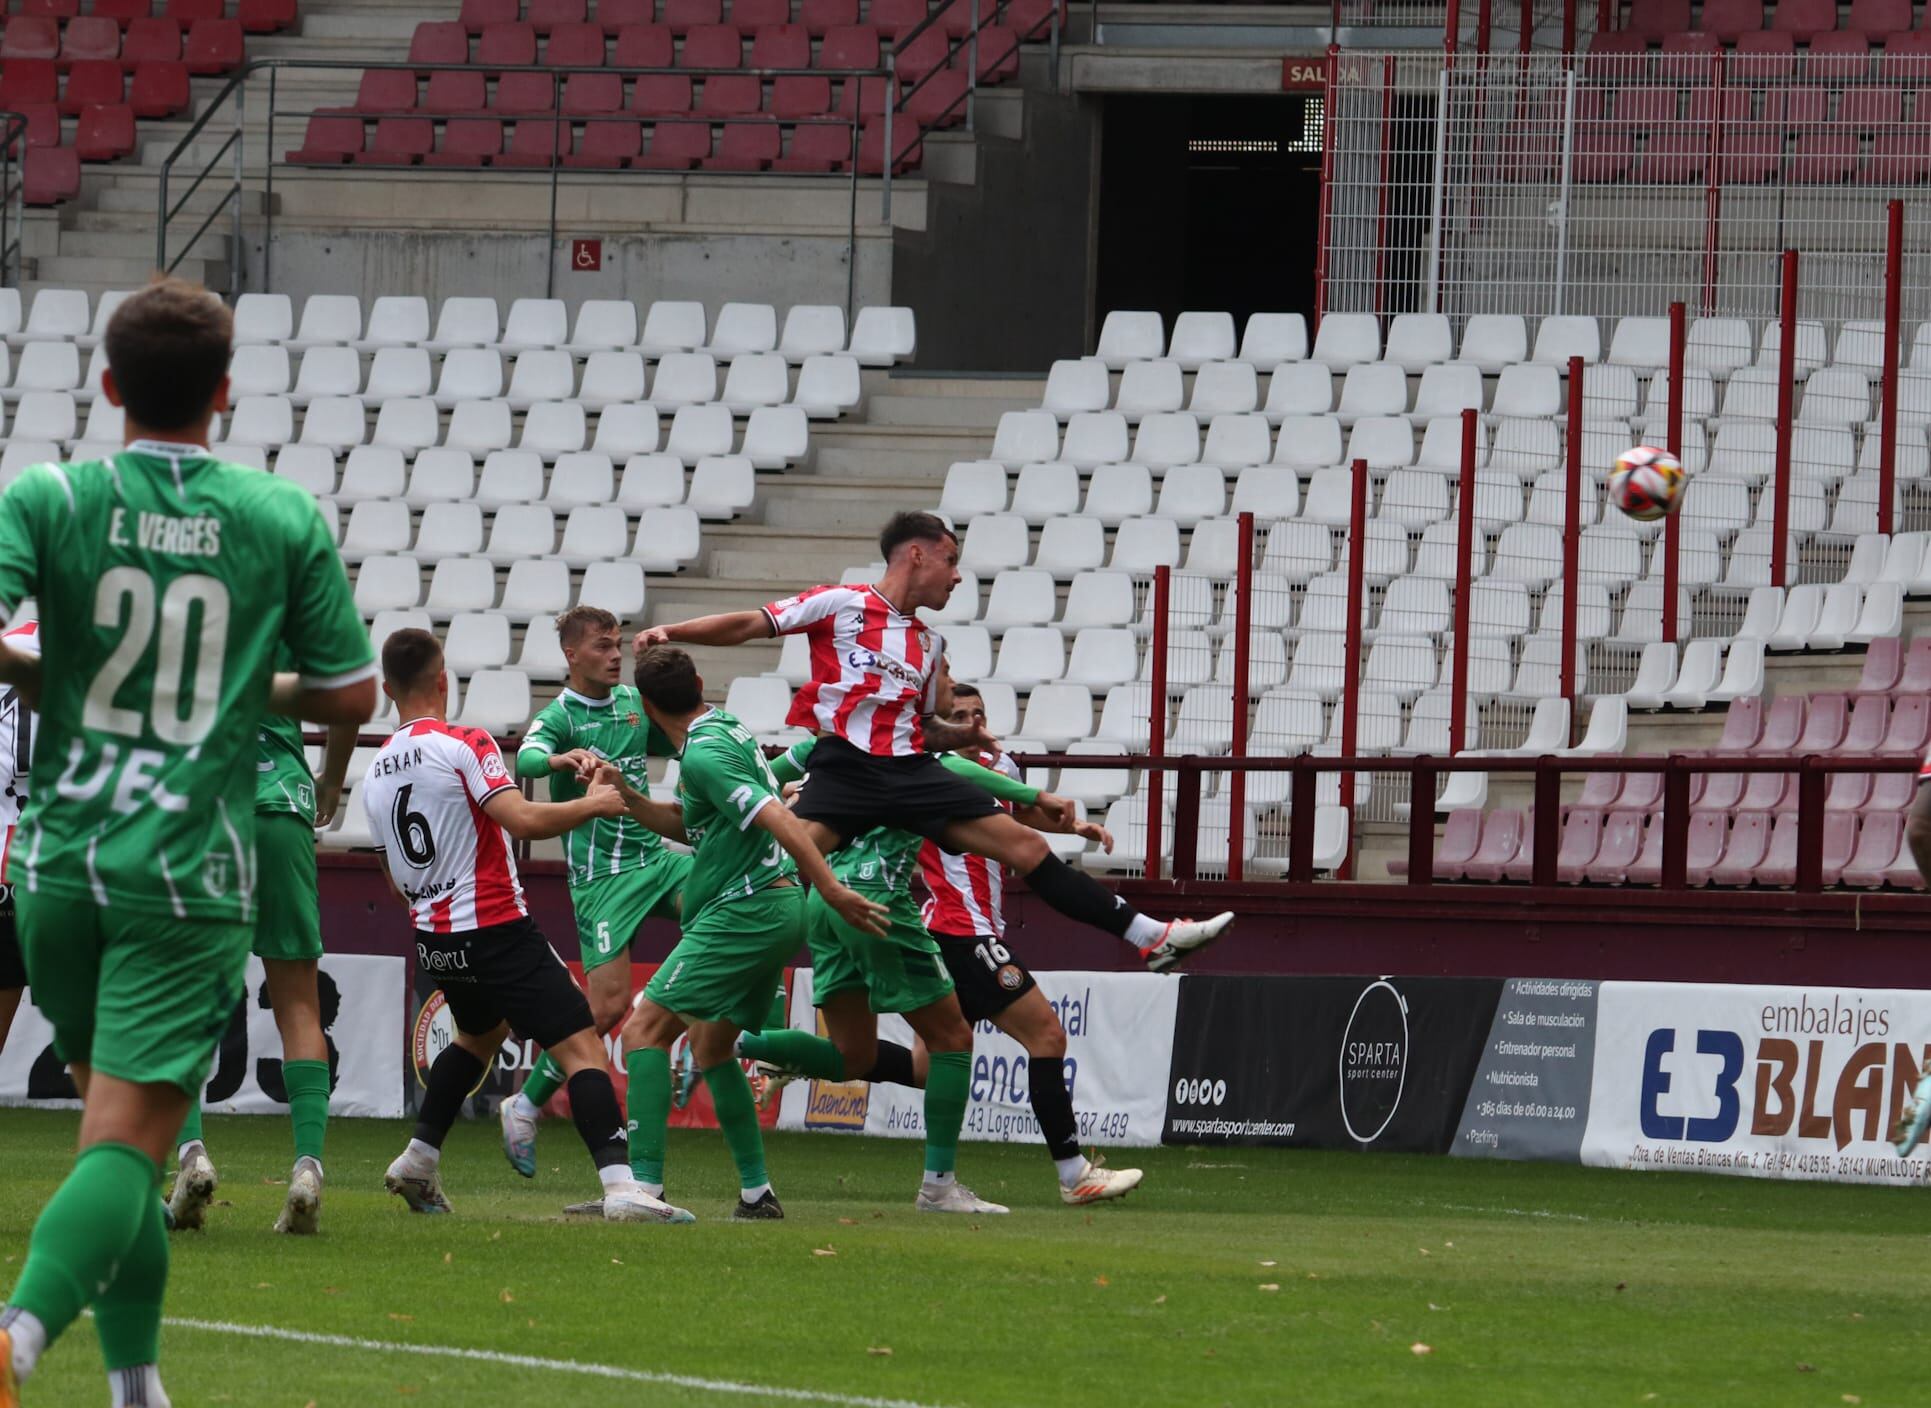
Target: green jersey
(615, 729)
(723, 782)
(168, 582)
(283, 783)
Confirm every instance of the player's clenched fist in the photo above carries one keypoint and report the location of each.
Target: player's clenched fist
(649, 636)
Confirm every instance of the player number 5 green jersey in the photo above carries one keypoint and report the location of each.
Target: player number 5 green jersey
(615, 729)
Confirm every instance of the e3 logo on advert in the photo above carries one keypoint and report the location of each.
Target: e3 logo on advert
(1205, 1091)
(1708, 1129)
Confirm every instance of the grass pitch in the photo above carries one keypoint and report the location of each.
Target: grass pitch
(1233, 1276)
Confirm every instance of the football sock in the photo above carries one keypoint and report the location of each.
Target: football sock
(542, 1082)
(1071, 1169)
(28, 1337)
(308, 1105)
(777, 1018)
(1143, 933)
(191, 1126)
(737, 1116)
(127, 1315)
(430, 1154)
(1053, 1107)
(455, 1073)
(87, 1227)
(893, 1066)
(948, 1076)
(1079, 896)
(649, 1070)
(137, 1387)
(600, 1124)
(796, 1051)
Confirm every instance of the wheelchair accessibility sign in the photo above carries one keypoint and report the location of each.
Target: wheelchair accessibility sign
(586, 256)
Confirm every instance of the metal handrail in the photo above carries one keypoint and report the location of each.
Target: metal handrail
(1547, 769)
(236, 86)
(13, 195)
(971, 38)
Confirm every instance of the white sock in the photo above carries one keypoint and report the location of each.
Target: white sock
(1142, 930)
(311, 1160)
(737, 1046)
(939, 1180)
(1071, 1170)
(138, 1387)
(615, 1176)
(656, 1190)
(525, 1108)
(751, 1195)
(181, 1154)
(423, 1153)
(29, 1338)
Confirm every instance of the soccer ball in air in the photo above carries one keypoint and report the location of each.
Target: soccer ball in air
(1647, 484)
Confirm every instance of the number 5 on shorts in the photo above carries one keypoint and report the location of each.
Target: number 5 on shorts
(603, 936)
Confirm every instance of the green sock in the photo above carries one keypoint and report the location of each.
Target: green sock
(649, 1099)
(543, 1081)
(737, 1116)
(308, 1105)
(948, 1078)
(127, 1315)
(191, 1126)
(778, 1018)
(85, 1230)
(796, 1051)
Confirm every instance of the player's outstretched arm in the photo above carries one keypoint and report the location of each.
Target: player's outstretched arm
(1917, 829)
(724, 628)
(335, 767)
(850, 906)
(665, 818)
(339, 704)
(539, 821)
(942, 736)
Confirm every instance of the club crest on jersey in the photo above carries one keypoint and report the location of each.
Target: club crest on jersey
(493, 766)
(217, 872)
(632, 718)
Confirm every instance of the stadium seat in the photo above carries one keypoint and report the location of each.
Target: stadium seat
(755, 379)
(883, 336)
(1344, 339)
(683, 379)
(627, 428)
(1127, 337)
(1269, 339)
(722, 486)
(1200, 338)
(611, 378)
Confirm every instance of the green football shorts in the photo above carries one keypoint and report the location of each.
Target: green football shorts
(731, 958)
(900, 972)
(288, 920)
(610, 910)
(141, 997)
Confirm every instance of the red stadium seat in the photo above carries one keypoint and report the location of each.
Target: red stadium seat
(1750, 158)
(519, 93)
(745, 146)
(1898, 158)
(51, 9)
(534, 142)
(546, 15)
(644, 46)
(588, 93)
(1658, 19)
(1879, 835)
(1647, 868)
(1742, 725)
(607, 144)
(819, 146)
(712, 46)
(1907, 58)
(90, 37)
(1581, 840)
(150, 41)
(849, 47)
(1603, 156)
(475, 16)
(939, 101)
(188, 12)
(1639, 109)
(1848, 792)
(781, 46)
(452, 90)
(799, 96)
(471, 142)
(1804, 19)
(676, 146)
(1878, 18)
(1763, 56)
(955, 16)
(49, 175)
(1871, 110)
(1893, 791)
(28, 83)
(1766, 791)
(399, 141)
(330, 141)
(1864, 730)
(214, 46)
(1034, 18)
(1727, 19)
(159, 89)
(998, 54)
(820, 17)
(1717, 791)
(1824, 724)
(1673, 158)
(30, 37)
(1735, 108)
(43, 124)
(265, 16)
(1600, 790)
(618, 15)
(575, 46)
(751, 16)
(1837, 58)
(508, 45)
(914, 58)
(726, 96)
(1615, 56)
(862, 98)
(1642, 791)
(685, 15)
(1617, 848)
(1688, 58)
(1460, 834)
(660, 94)
(897, 18)
(1824, 158)
(1914, 678)
(1910, 726)
(105, 133)
(1903, 873)
(1779, 863)
(1883, 661)
(1783, 725)
(439, 42)
(91, 85)
(124, 12)
(1501, 841)
(1708, 832)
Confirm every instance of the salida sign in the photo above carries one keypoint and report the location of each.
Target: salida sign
(1776, 1081)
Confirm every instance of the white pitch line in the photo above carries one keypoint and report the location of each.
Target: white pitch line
(556, 1366)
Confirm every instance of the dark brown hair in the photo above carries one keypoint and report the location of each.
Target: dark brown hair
(667, 677)
(966, 691)
(410, 659)
(579, 621)
(168, 347)
(912, 527)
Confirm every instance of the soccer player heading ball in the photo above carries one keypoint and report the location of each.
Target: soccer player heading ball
(170, 584)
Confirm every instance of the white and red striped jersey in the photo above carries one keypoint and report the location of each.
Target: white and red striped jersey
(874, 670)
(16, 743)
(424, 794)
(968, 892)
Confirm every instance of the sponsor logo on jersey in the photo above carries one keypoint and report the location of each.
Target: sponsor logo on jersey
(434, 960)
